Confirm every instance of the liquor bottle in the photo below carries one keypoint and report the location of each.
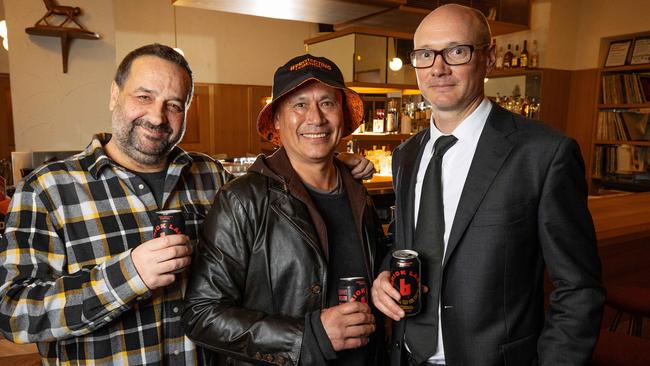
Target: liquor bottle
(534, 56)
(515, 58)
(523, 57)
(507, 58)
(500, 58)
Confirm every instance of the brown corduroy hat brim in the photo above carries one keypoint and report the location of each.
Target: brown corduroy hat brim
(295, 74)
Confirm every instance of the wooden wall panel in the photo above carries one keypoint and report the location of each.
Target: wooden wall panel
(581, 112)
(231, 120)
(222, 119)
(197, 132)
(555, 95)
(7, 144)
(256, 97)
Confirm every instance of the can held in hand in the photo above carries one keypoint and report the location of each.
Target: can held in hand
(353, 289)
(405, 278)
(169, 222)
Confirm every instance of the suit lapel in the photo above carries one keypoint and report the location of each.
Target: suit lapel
(491, 152)
(410, 158)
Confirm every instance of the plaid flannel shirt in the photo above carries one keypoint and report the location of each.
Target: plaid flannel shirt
(66, 274)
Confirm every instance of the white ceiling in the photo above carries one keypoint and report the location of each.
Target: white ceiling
(314, 11)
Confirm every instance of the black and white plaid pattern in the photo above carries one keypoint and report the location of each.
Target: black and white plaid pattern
(67, 280)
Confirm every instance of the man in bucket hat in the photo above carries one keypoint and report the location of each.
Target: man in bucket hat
(277, 240)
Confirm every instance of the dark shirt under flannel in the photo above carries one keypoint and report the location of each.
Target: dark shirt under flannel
(67, 280)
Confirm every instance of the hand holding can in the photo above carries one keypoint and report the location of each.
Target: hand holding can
(169, 222)
(405, 278)
(353, 289)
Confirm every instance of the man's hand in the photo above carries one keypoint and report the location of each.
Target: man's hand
(348, 325)
(156, 259)
(360, 167)
(385, 297)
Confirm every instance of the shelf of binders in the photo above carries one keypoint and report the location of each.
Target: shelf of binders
(621, 135)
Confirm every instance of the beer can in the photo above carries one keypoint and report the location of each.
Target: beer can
(353, 289)
(405, 278)
(169, 222)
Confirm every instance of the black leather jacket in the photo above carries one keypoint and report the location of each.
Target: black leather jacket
(260, 272)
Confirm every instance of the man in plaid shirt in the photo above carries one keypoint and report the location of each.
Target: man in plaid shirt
(80, 272)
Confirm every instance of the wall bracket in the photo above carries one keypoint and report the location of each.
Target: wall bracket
(45, 27)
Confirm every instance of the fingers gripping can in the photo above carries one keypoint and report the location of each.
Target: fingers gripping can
(405, 278)
(169, 222)
(353, 289)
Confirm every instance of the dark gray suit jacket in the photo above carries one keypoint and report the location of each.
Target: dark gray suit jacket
(523, 208)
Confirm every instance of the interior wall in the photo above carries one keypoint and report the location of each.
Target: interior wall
(539, 31)
(239, 49)
(53, 110)
(562, 34)
(221, 47)
(340, 50)
(57, 111)
(142, 22)
(4, 55)
(370, 63)
(569, 32)
(606, 18)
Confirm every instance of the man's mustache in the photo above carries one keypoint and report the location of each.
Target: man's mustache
(148, 125)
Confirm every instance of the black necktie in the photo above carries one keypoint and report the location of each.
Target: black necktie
(422, 330)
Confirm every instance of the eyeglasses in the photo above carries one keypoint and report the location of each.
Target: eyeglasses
(452, 56)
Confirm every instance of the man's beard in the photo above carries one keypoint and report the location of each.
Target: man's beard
(128, 142)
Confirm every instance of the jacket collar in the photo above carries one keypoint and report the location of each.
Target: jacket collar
(94, 158)
(492, 150)
(278, 168)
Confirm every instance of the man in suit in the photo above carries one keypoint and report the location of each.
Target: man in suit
(512, 202)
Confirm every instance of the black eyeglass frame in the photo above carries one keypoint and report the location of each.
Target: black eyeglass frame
(441, 52)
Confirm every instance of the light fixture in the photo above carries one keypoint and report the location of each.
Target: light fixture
(176, 48)
(485, 80)
(3, 34)
(396, 63)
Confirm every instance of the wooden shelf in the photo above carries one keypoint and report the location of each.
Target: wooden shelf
(641, 67)
(622, 142)
(499, 28)
(624, 106)
(378, 88)
(372, 136)
(602, 150)
(503, 73)
(66, 35)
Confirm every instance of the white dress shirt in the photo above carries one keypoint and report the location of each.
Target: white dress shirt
(455, 167)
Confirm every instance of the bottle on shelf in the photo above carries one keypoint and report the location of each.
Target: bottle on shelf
(392, 116)
(378, 121)
(526, 106)
(534, 56)
(499, 58)
(523, 57)
(507, 58)
(407, 118)
(515, 58)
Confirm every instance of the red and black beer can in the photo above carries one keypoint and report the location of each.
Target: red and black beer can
(169, 222)
(353, 289)
(405, 278)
